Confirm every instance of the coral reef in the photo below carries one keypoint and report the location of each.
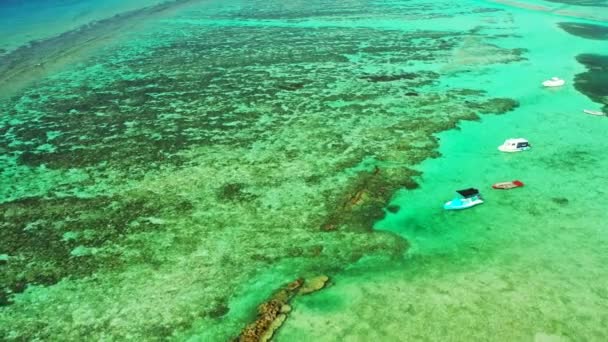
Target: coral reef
(273, 313)
(361, 203)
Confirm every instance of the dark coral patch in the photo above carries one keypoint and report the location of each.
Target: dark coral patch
(496, 106)
(234, 192)
(50, 239)
(393, 209)
(560, 200)
(400, 76)
(219, 310)
(291, 86)
(362, 204)
(583, 30)
(593, 82)
(392, 77)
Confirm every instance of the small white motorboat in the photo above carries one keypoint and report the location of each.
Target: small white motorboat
(515, 145)
(594, 112)
(554, 82)
(471, 198)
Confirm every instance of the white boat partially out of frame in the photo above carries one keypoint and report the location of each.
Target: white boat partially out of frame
(594, 112)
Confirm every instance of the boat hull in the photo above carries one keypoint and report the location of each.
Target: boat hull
(594, 112)
(502, 148)
(458, 204)
(550, 84)
(507, 185)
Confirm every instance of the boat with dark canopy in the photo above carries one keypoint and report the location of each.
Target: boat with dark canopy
(470, 198)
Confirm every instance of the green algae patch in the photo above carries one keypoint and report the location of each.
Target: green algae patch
(584, 30)
(594, 82)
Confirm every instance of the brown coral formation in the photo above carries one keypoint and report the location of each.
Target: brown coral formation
(362, 204)
(273, 313)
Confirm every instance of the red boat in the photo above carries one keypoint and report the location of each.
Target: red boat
(508, 185)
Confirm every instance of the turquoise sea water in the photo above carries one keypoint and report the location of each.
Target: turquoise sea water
(165, 171)
(25, 21)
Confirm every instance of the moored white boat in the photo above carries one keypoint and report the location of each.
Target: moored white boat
(554, 82)
(514, 145)
(594, 112)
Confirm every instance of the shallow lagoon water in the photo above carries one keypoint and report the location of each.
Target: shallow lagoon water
(169, 184)
(529, 264)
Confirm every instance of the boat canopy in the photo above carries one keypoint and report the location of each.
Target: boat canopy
(470, 192)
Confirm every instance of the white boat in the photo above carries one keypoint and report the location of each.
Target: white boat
(594, 112)
(554, 82)
(471, 198)
(515, 145)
